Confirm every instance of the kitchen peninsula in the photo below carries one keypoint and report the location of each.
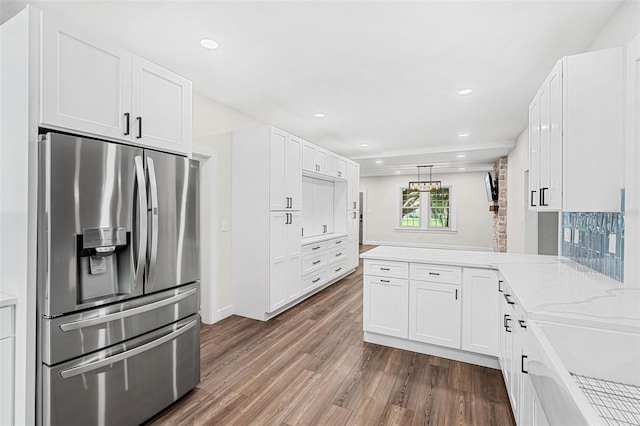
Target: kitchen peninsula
(529, 315)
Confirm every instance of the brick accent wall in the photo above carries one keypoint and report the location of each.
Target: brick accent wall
(500, 217)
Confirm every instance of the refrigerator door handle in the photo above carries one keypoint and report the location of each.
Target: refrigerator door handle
(75, 325)
(142, 213)
(86, 368)
(153, 252)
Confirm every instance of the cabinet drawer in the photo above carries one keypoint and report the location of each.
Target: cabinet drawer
(6, 322)
(386, 268)
(336, 255)
(337, 269)
(336, 242)
(436, 273)
(313, 280)
(313, 263)
(313, 248)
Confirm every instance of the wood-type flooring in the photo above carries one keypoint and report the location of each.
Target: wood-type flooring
(310, 366)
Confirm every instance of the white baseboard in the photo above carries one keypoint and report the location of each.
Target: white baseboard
(428, 349)
(225, 312)
(430, 246)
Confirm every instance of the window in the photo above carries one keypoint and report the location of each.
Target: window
(427, 210)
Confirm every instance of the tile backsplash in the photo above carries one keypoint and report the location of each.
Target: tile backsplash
(595, 240)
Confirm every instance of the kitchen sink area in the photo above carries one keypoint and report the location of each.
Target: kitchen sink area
(585, 375)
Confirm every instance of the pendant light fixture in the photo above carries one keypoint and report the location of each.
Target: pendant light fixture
(425, 185)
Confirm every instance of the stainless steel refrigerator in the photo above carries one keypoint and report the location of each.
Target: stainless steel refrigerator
(118, 281)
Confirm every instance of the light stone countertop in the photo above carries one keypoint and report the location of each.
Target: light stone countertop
(550, 288)
(320, 238)
(7, 299)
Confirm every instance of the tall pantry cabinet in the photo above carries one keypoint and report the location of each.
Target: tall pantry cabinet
(281, 215)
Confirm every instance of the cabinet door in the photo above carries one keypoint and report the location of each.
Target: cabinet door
(550, 180)
(278, 273)
(294, 254)
(307, 207)
(386, 304)
(160, 108)
(336, 166)
(480, 321)
(506, 344)
(434, 313)
(86, 82)
(327, 206)
(534, 153)
(6, 378)
(353, 191)
(277, 170)
(293, 172)
(309, 157)
(321, 160)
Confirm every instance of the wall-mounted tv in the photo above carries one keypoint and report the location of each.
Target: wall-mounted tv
(492, 190)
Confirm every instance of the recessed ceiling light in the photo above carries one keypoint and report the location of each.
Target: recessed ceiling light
(378, 161)
(464, 91)
(463, 135)
(208, 43)
(461, 156)
(397, 172)
(318, 115)
(462, 168)
(364, 145)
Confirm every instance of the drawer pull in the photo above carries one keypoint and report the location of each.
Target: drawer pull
(339, 269)
(437, 274)
(385, 281)
(500, 286)
(317, 261)
(522, 364)
(315, 248)
(509, 301)
(338, 242)
(385, 269)
(316, 280)
(523, 323)
(338, 254)
(507, 318)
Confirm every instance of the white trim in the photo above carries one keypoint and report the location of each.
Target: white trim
(208, 159)
(426, 348)
(225, 312)
(428, 230)
(430, 246)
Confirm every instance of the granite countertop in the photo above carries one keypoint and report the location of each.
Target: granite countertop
(550, 288)
(7, 299)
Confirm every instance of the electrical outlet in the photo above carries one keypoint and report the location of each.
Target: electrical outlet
(567, 235)
(576, 236)
(612, 243)
(225, 226)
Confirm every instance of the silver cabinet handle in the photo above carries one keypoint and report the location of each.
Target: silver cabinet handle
(142, 213)
(82, 369)
(153, 252)
(75, 325)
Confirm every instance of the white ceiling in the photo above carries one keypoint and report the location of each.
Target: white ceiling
(385, 73)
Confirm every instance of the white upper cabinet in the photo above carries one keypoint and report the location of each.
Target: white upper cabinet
(314, 159)
(86, 81)
(284, 171)
(160, 108)
(576, 141)
(90, 86)
(336, 166)
(353, 190)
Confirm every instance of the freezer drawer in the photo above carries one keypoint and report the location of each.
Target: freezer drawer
(71, 336)
(126, 384)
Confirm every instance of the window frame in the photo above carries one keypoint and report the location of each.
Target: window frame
(425, 207)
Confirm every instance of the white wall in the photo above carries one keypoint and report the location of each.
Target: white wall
(473, 221)
(623, 26)
(212, 124)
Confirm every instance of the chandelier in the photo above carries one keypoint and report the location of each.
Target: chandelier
(425, 185)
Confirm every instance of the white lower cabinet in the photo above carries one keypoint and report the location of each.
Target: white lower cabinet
(6, 365)
(480, 316)
(285, 253)
(386, 305)
(434, 313)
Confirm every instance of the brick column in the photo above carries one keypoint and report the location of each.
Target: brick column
(500, 217)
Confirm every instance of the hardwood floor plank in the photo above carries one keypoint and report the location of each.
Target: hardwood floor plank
(310, 366)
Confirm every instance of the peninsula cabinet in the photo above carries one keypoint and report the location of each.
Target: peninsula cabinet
(91, 86)
(434, 313)
(480, 311)
(386, 298)
(576, 135)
